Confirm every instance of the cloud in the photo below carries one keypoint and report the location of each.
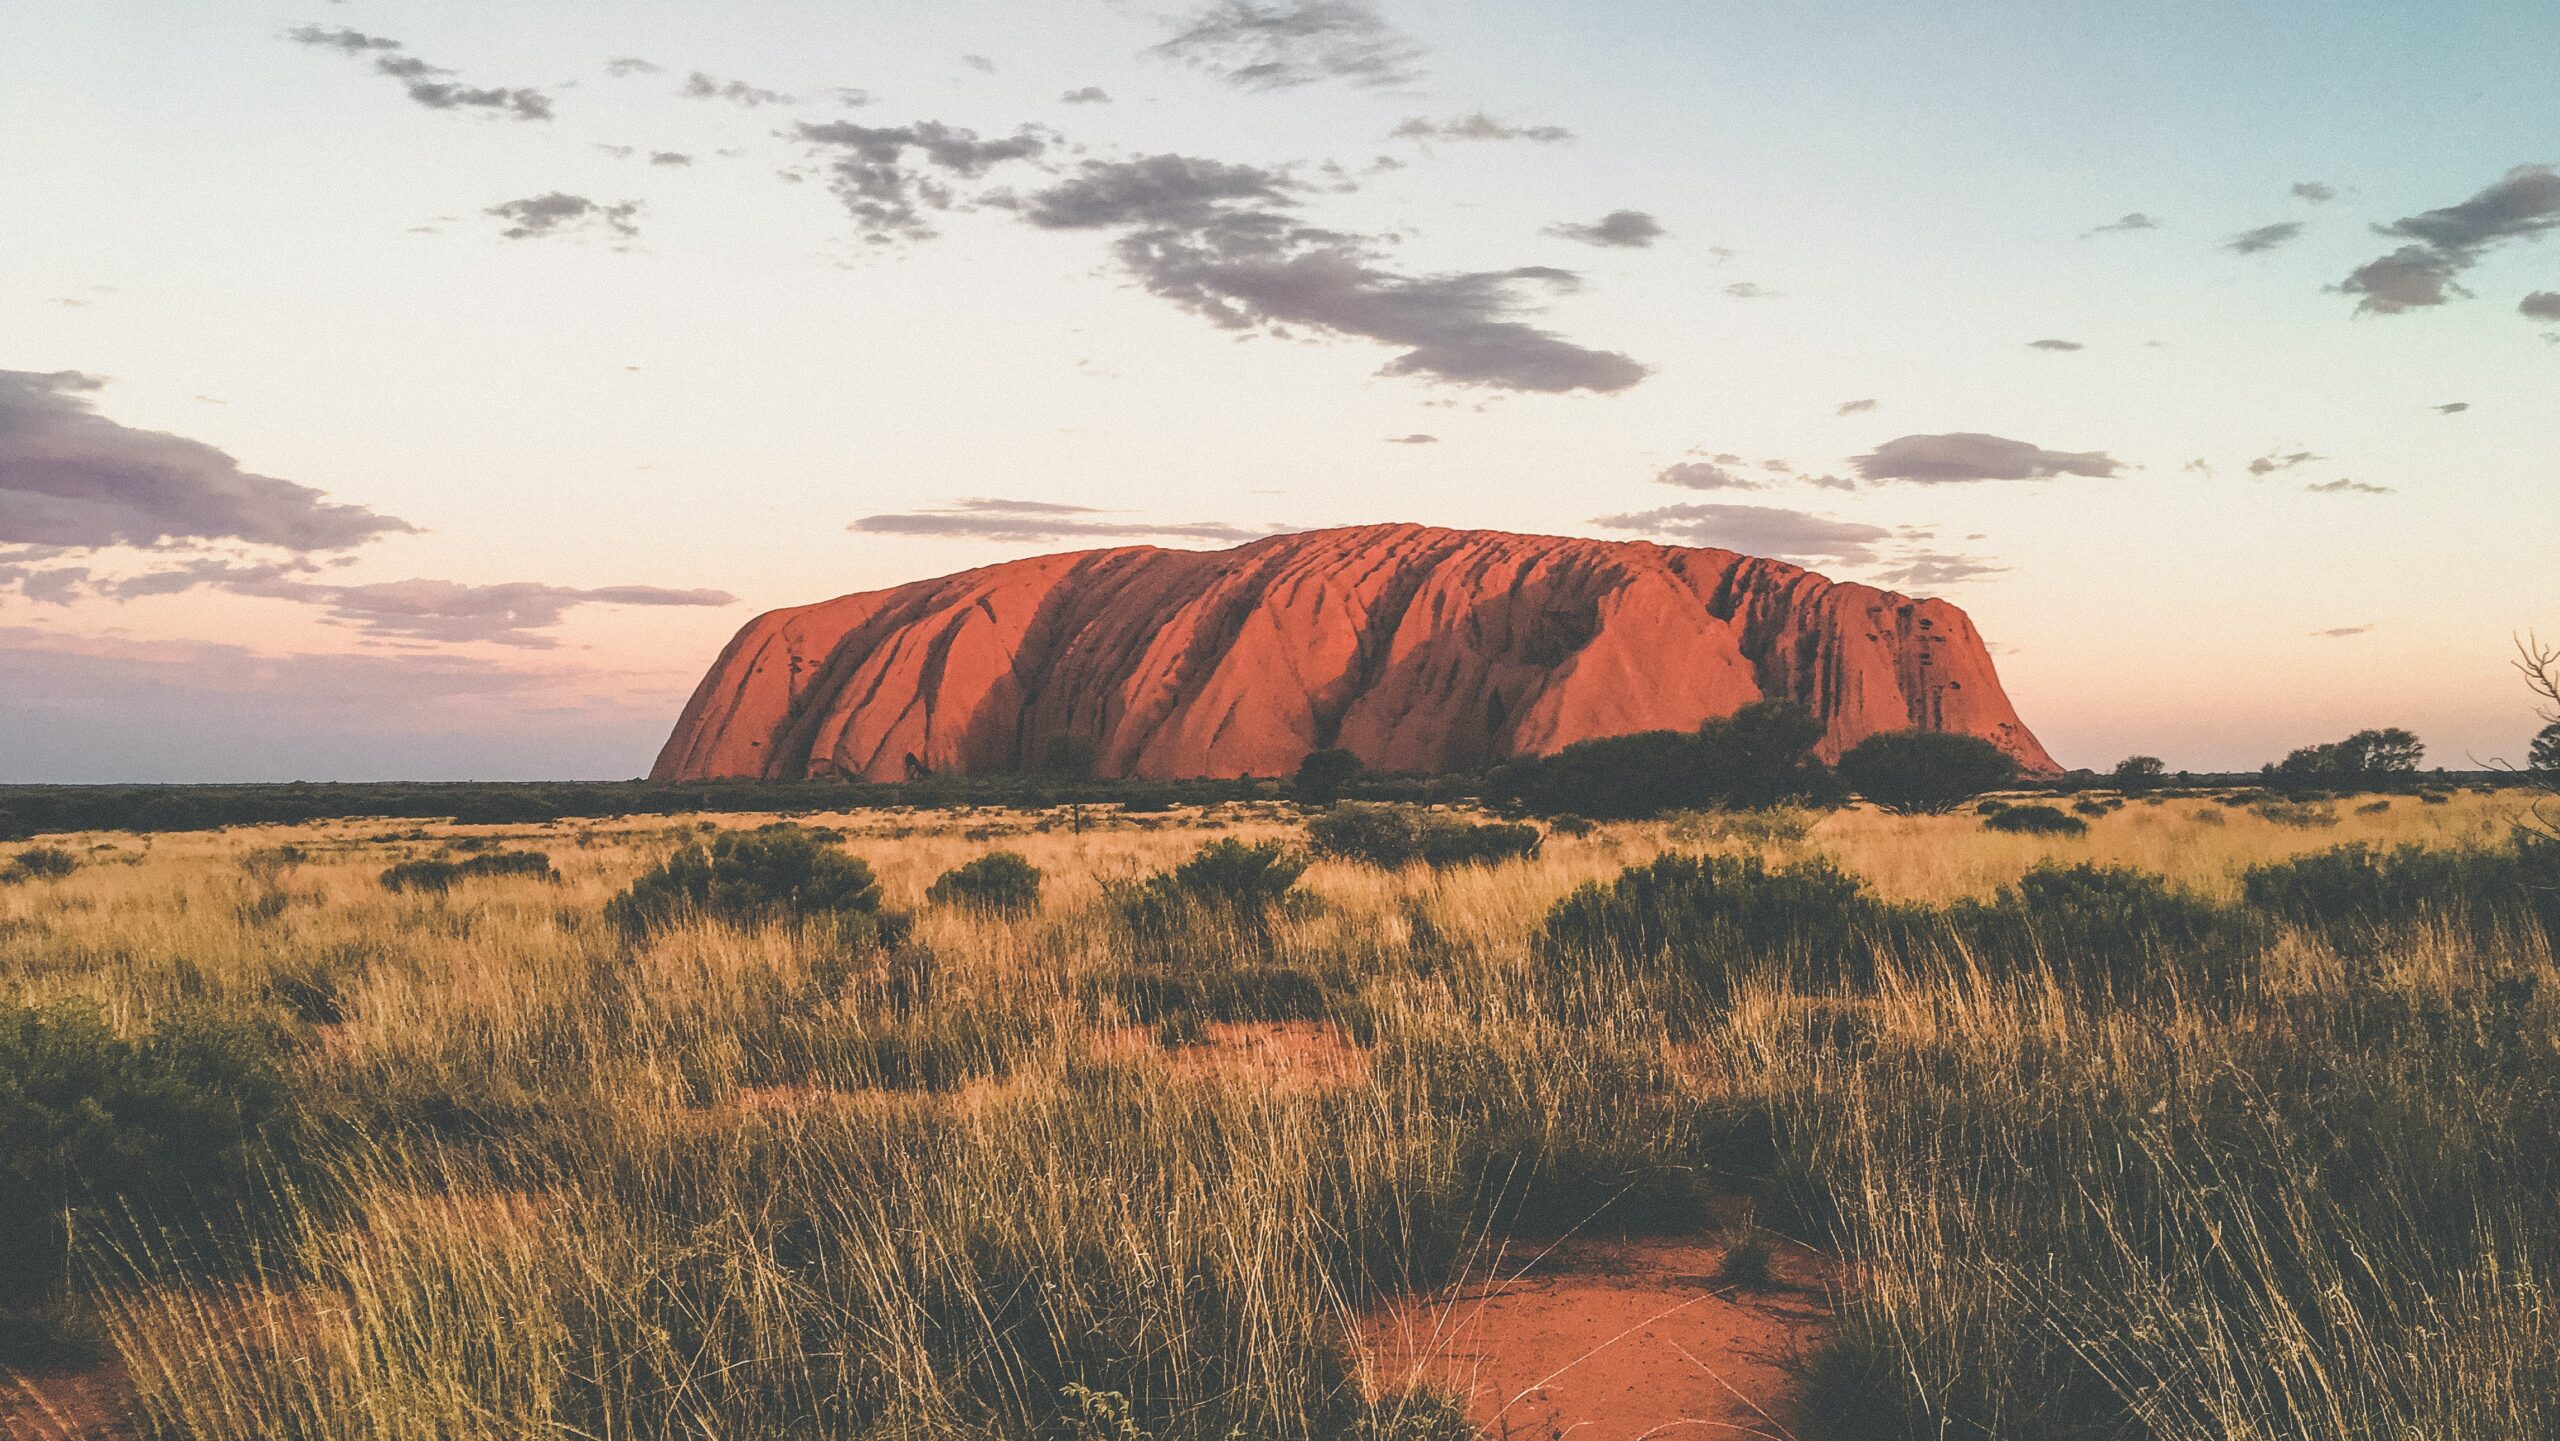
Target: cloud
(669, 158)
(887, 192)
(440, 611)
(2314, 191)
(2540, 305)
(1215, 239)
(2522, 205)
(1618, 230)
(1853, 407)
(1086, 95)
(699, 86)
(2410, 278)
(2265, 237)
(1760, 530)
(2340, 632)
(73, 478)
(1708, 475)
(1938, 568)
(622, 65)
(2055, 345)
(979, 63)
(2347, 487)
(1748, 290)
(1022, 520)
(1417, 438)
(415, 75)
(1276, 44)
(2274, 461)
(1476, 126)
(2453, 407)
(556, 213)
(2135, 221)
(1969, 456)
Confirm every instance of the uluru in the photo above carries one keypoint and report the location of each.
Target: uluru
(1415, 648)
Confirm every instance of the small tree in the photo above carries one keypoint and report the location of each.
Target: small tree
(1323, 774)
(1925, 772)
(999, 883)
(2139, 773)
(779, 872)
(2382, 756)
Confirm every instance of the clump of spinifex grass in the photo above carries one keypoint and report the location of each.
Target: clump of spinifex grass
(2111, 1142)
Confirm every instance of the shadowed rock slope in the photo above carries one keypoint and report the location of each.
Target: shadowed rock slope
(1416, 648)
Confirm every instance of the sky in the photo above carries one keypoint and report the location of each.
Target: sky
(405, 390)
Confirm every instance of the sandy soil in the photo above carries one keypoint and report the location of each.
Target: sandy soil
(1603, 1340)
(90, 1405)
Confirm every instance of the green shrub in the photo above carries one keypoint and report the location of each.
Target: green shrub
(999, 883)
(1776, 826)
(1392, 836)
(1569, 824)
(1925, 772)
(1761, 755)
(98, 1131)
(2036, 821)
(2109, 929)
(2354, 896)
(776, 873)
(1716, 918)
(442, 875)
(2296, 815)
(44, 863)
(1323, 774)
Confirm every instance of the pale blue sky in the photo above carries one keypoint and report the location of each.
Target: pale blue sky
(270, 248)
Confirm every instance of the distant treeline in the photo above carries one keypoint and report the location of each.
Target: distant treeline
(33, 810)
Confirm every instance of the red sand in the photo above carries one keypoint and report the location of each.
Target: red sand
(1608, 1341)
(1418, 649)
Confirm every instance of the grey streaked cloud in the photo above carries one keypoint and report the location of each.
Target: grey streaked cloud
(2540, 305)
(2413, 277)
(1708, 475)
(701, 86)
(1938, 568)
(669, 158)
(2055, 345)
(1748, 290)
(1971, 456)
(1476, 126)
(1217, 239)
(2340, 632)
(2346, 487)
(1417, 438)
(984, 518)
(2135, 221)
(979, 63)
(622, 65)
(443, 612)
(557, 213)
(1277, 44)
(1086, 95)
(2274, 461)
(2524, 204)
(1619, 230)
(1854, 407)
(2263, 238)
(1761, 530)
(2453, 407)
(889, 176)
(420, 79)
(70, 477)
(2314, 191)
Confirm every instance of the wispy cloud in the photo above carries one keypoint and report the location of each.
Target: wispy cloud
(1278, 44)
(1477, 126)
(888, 176)
(2135, 221)
(985, 518)
(1617, 230)
(1761, 530)
(2346, 487)
(1086, 95)
(2340, 632)
(2274, 461)
(540, 216)
(701, 86)
(1854, 407)
(2522, 205)
(420, 79)
(1219, 239)
(2264, 238)
(71, 477)
(1972, 456)
(2055, 345)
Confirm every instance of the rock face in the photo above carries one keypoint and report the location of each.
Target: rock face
(1418, 649)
